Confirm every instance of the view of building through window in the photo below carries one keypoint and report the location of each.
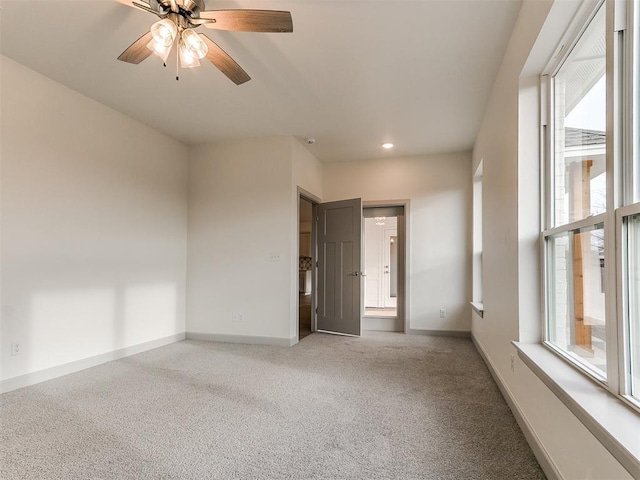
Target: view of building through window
(577, 297)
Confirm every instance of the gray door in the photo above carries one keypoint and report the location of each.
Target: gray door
(339, 242)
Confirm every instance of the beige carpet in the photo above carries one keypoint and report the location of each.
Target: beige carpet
(384, 406)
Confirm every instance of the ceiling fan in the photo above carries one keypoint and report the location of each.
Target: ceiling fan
(177, 24)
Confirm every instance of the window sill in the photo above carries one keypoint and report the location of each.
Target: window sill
(613, 423)
(478, 307)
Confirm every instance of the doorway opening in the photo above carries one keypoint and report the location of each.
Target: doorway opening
(305, 268)
(333, 277)
(384, 268)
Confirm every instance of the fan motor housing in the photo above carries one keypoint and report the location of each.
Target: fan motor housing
(193, 6)
(190, 7)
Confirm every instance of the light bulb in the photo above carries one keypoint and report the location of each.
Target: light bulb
(192, 42)
(159, 50)
(164, 32)
(187, 59)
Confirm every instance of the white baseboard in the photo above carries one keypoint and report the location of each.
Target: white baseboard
(60, 370)
(246, 339)
(544, 459)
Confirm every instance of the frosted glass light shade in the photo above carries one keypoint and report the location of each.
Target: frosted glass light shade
(164, 32)
(194, 44)
(187, 59)
(159, 50)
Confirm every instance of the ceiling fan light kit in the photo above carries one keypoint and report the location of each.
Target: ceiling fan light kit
(176, 28)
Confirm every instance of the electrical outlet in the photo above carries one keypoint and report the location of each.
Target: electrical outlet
(443, 313)
(274, 257)
(236, 317)
(513, 363)
(15, 348)
(240, 318)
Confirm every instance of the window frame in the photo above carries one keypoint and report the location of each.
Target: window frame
(624, 355)
(622, 58)
(477, 227)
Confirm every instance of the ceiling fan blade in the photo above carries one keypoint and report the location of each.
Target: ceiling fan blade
(129, 3)
(224, 62)
(249, 20)
(147, 9)
(151, 6)
(137, 51)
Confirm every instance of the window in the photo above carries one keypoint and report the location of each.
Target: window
(631, 226)
(633, 294)
(477, 241)
(592, 197)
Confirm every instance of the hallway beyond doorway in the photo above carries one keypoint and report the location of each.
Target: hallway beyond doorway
(304, 315)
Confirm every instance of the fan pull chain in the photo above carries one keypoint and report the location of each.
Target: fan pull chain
(178, 60)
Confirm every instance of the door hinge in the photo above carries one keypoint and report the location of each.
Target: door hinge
(316, 310)
(316, 264)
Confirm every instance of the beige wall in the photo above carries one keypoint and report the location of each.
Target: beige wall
(307, 170)
(439, 255)
(94, 211)
(507, 143)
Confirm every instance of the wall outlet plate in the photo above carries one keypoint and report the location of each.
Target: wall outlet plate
(16, 348)
(274, 257)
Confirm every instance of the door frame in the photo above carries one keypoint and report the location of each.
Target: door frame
(311, 198)
(403, 256)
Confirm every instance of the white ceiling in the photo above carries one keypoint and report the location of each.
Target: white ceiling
(353, 74)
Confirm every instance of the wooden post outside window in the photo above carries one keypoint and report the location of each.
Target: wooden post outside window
(580, 204)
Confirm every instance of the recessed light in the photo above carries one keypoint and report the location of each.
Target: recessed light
(387, 145)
